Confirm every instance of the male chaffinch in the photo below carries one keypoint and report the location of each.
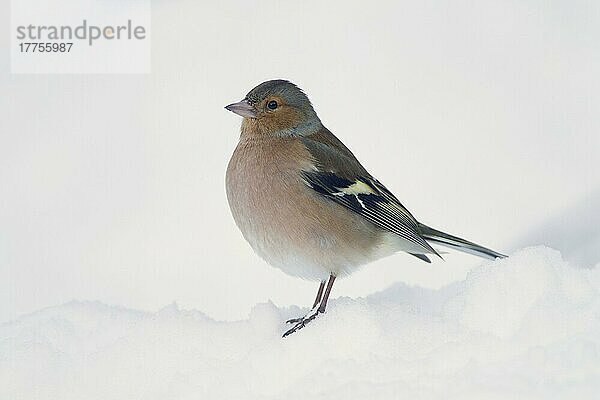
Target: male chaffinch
(304, 202)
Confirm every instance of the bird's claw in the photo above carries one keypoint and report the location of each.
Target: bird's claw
(300, 322)
(310, 312)
(294, 320)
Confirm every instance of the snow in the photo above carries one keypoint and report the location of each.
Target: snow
(523, 327)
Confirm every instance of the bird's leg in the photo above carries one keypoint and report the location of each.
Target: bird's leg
(321, 301)
(326, 295)
(319, 294)
(315, 304)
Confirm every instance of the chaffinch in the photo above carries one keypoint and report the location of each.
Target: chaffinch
(306, 205)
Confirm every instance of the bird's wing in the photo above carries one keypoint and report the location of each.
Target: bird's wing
(338, 176)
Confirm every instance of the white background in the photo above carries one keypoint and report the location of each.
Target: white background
(482, 117)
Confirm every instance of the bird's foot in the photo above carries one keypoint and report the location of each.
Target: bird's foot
(301, 322)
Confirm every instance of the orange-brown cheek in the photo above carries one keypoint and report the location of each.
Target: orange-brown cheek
(271, 123)
(286, 118)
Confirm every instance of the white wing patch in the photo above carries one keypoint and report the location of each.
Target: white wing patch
(358, 187)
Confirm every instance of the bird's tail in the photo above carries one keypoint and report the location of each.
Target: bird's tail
(453, 242)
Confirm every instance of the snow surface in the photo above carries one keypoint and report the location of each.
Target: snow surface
(524, 327)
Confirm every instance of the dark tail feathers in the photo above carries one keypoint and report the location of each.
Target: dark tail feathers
(453, 242)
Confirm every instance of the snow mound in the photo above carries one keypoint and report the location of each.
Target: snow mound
(524, 327)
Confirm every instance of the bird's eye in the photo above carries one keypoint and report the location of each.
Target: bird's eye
(272, 105)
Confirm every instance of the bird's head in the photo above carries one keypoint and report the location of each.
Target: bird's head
(278, 108)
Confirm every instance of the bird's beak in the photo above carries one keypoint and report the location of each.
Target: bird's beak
(242, 108)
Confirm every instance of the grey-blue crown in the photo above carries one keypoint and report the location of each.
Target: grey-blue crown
(290, 93)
